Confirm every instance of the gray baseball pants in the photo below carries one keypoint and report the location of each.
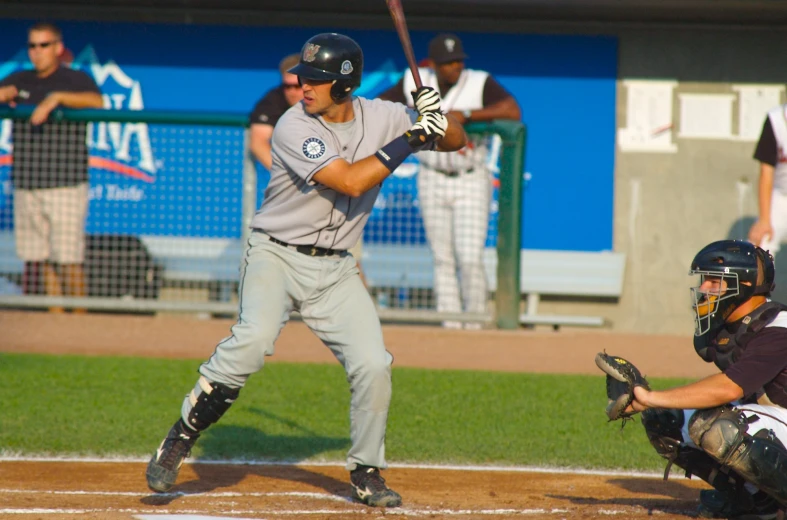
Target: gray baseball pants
(335, 305)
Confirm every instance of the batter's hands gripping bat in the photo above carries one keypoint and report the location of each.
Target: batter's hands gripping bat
(397, 13)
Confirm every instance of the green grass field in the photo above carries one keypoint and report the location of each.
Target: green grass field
(102, 406)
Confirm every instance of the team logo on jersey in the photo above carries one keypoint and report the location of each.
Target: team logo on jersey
(347, 67)
(310, 52)
(313, 148)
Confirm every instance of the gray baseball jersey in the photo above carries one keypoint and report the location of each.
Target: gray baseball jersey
(300, 211)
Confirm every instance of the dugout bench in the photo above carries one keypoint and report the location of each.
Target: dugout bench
(568, 274)
(214, 263)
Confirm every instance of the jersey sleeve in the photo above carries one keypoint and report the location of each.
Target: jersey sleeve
(78, 81)
(303, 147)
(267, 111)
(761, 361)
(87, 84)
(494, 92)
(766, 151)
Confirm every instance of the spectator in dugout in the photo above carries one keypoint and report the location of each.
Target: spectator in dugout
(271, 107)
(50, 169)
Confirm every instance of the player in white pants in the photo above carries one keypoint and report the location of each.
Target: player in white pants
(454, 188)
(770, 230)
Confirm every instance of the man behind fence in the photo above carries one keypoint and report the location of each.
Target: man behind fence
(455, 188)
(49, 173)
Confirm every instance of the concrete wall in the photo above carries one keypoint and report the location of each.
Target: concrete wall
(672, 201)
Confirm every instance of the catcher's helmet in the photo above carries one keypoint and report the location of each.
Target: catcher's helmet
(735, 264)
(332, 56)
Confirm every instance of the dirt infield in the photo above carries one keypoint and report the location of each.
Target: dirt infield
(116, 490)
(110, 491)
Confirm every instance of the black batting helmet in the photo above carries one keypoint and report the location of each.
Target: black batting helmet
(332, 56)
(737, 264)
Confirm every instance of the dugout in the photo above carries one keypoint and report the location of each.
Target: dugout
(708, 68)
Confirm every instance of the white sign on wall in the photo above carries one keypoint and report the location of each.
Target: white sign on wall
(706, 116)
(754, 101)
(649, 123)
(648, 117)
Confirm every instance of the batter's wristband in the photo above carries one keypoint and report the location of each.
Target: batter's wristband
(394, 153)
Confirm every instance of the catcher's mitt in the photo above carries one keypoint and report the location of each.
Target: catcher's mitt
(622, 377)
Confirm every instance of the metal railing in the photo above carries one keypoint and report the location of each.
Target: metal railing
(224, 250)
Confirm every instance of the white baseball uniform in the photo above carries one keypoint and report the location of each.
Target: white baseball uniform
(454, 193)
(771, 150)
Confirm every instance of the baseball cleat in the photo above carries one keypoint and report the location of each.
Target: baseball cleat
(715, 504)
(165, 464)
(369, 487)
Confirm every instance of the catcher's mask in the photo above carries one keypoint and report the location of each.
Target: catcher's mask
(728, 271)
(332, 57)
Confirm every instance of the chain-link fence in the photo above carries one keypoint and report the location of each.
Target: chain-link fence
(158, 222)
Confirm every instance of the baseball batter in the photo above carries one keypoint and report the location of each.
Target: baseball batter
(455, 189)
(770, 230)
(330, 154)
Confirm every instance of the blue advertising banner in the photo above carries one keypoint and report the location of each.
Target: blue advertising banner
(185, 181)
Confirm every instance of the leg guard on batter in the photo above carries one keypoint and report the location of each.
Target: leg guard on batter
(206, 403)
(761, 459)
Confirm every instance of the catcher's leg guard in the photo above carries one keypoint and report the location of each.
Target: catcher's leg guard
(663, 428)
(760, 459)
(206, 403)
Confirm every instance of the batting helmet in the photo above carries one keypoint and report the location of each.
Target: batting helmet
(335, 57)
(736, 264)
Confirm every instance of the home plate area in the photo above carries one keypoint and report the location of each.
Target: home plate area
(109, 490)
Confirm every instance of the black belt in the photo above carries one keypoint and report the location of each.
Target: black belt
(309, 250)
(453, 173)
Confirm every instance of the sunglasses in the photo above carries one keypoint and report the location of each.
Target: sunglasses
(290, 86)
(43, 45)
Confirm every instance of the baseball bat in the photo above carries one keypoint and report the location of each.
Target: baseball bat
(397, 13)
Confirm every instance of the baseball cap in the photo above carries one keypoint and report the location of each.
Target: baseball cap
(446, 47)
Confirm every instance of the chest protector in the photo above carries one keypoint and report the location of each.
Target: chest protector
(726, 347)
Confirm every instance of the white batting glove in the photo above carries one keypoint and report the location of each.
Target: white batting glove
(428, 128)
(426, 99)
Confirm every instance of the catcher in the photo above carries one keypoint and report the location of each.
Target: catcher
(729, 429)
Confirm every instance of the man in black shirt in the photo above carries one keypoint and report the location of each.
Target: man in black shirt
(730, 429)
(770, 229)
(271, 107)
(50, 170)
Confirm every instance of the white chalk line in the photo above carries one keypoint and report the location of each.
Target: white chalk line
(290, 512)
(176, 494)
(434, 467)
(358, 509)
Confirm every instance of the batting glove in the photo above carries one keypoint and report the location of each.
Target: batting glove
(428, 128)
(426, 99)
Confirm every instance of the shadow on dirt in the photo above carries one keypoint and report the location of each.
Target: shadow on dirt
(674, 497)
(226, 442)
